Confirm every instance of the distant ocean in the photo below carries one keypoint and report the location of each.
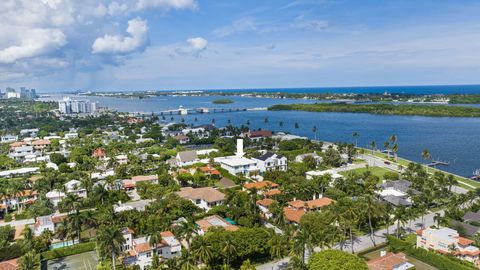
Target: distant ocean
(421, 89)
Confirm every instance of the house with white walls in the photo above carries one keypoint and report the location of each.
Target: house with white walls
(238, 164)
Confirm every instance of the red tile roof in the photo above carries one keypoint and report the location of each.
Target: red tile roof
(265, 202)
(464, 241)
(259, 133)
(9, 265)
(293, 215)
(260, 185)
(387, 262)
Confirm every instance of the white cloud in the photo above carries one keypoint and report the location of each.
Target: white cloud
(239, 25)
(32, 43)
(198, 43)
(112, 44)
(167, 4)
(114, 8)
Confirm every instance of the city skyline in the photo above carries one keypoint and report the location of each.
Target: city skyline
(195, 44)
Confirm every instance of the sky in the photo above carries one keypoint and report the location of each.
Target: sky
(65, 45)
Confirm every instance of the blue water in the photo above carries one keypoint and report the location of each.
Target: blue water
(229, 220)
(455, 140)
(410, 89)
(62, 244)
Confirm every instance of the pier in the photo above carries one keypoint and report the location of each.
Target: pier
(184, 111)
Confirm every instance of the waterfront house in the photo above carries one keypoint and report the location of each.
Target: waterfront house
(238, 164)
(214, 221)
(204, 197)
(448, 241)
(259, 134)
(271, 162)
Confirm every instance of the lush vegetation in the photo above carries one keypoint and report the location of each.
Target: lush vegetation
(222, 101)
(388, 109)
(335, 260)
(464, 99)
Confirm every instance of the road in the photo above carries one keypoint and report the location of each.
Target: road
(362, 242)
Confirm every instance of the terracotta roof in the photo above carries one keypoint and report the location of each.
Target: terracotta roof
(166, 234)
(210, 170)
(260, 185)
(215, 220)
(312, 204)
(293, 215)
(9, 265)
(464, 241)
(387, 262)
(180, 137)
(17, 144)
(142, 247)
(140, 178)
(419, 232)
(265, 202)
(40, 142)
(260, 133)
(272, 192)
(98, 153)
(207, 194)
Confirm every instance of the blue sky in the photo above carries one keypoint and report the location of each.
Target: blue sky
(61, 45)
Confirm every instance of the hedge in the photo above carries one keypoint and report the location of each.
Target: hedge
(68, 251)
(11, 252)
(441, 262)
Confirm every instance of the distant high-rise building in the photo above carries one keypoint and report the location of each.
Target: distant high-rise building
(23, 93)
(69, 106)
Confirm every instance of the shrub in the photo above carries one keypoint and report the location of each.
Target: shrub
(335, 260)
(68, 251)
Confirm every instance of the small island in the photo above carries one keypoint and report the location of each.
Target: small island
(387, 109)
(222, 101)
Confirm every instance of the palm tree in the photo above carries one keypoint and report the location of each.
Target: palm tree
(373, 145)
(355, 136)
(276, 246)
(61, 232)
(29, 261)
(76, 220)
(109, 242)
(400, 217)
(386, 145)
(395, 151)
(154, 237)
(372, 210)
(229, 249)
(186, 231)
(426, 156)
(202, 250)
(28, 238)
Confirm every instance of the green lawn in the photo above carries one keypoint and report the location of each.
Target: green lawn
(466, 183)
(377, 171)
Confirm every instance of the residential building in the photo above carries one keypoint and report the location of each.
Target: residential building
(390, 261)
(182, 139)
(75, 187)
(297, 208)
(259, 134)
(214, 221)
(264, 205)
(186, 158)
(30, 132)
(21, 152)
(204, 197)
(55, 197)
(42, 224)
(18, 172)
(271, 162)
(99, 153)
(333, 174)
(40, 145)
(238, 164)
(261, 187)
(69, 106)
(19, 200)
(396, 192)
(448, 241)
(8, 138)
(317, 158)
(141, 252)
(121, 159)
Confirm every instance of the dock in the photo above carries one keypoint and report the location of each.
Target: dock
(435, 163)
